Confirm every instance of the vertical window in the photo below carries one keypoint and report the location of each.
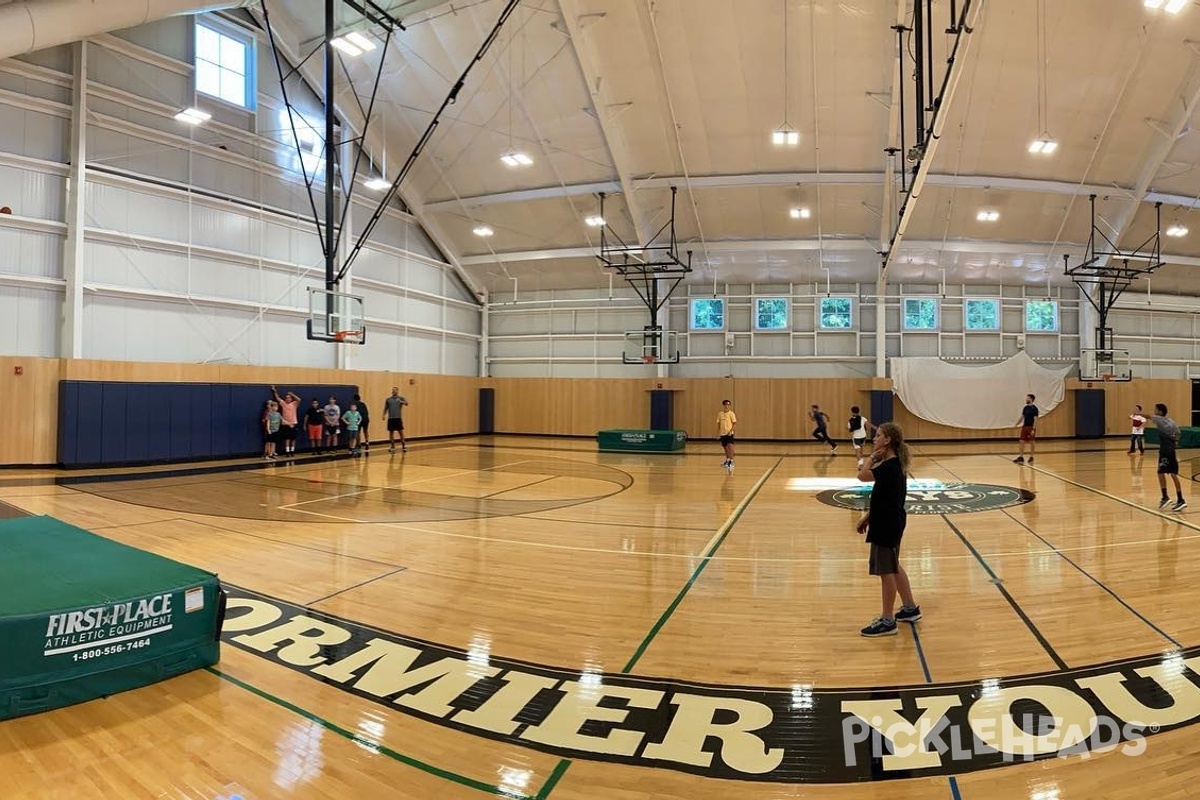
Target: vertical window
(836, 313)
(920, 314)
(224, 66)
(708, 315)
(771, 313)
(983, 315)
(1041, 316)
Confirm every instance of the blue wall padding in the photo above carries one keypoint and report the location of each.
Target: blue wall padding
(102, 423)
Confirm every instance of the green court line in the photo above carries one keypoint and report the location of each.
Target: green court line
(718, 540)
(376, 747)
(552, 781)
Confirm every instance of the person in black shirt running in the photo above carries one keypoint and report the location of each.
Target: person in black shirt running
(821, 433)
(1029, 415)
(884, 525)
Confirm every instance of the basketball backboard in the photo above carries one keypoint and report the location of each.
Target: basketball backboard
(1105, 365)
(335, 317)
(651, 346)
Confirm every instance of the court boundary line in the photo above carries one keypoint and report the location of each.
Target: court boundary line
(999, 584)
(707, 552)
(379, 747)
(1061, 554)
(359, 585)
(718, 538)
(916, 635)
(1098, 582)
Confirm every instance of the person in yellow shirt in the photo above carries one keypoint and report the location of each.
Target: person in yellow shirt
(726, 422)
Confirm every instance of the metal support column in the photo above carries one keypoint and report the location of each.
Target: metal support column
(484, 333)
(881, 326)
(71, 330)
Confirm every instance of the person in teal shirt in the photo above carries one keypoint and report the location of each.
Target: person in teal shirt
(352, 419)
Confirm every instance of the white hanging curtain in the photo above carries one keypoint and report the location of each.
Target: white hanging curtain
(979, 397)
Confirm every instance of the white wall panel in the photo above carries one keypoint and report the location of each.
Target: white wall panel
(138, 78)
(173, 274)
(30, 193)
(33, 133)
(26, 252)
(29, 321)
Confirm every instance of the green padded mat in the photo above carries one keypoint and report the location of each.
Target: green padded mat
(641, 441)
(82, 616)
(1188, 436)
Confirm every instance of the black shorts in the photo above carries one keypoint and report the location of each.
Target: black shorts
(727, 440)
(396, 424)
(333, 430)
(884, 560)
(287, 433)
(1168, 463)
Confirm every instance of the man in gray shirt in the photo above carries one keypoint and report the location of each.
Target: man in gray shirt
(392, 409)
(1168, 463)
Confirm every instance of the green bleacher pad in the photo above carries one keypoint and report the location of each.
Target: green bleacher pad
(1188, 437)
(82, 616)
(634, 441)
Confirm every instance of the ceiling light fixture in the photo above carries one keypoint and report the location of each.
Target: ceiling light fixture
(1171, 6)
(785, 134)
(987, 215)
(800, 212)
(193, 116)
(1043, 145)
(594, 221)
(1177, 230)
(483, 230)
(353, 44)
(377, 184)
(346, 47)
(514, 159)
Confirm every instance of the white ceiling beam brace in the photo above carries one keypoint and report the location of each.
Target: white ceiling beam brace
(887, 205)
(862, 245)
(286, 39)
(956, 64)
(613, 138)
(992, 182)
(1184, 100)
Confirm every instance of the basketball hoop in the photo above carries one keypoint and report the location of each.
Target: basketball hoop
(348, 337)
(649, 359)
(1108, 377)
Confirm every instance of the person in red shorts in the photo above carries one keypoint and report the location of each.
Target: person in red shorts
(1029, 415)
(314, 425)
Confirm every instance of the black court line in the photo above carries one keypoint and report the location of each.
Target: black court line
(518, 488)
(1037, 634)
(1095, 580)
(358, 585)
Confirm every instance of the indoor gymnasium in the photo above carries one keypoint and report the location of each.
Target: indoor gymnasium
(599, 399)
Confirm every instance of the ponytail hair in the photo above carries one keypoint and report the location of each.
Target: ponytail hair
(896, 435)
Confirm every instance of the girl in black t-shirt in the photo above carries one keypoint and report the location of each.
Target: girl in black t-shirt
(884, 525)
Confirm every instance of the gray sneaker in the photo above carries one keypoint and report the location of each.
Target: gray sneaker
(1180, 506)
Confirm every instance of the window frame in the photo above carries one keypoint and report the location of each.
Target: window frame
(821, 326)
(249, 76)
(693, 301)
(787, 314)
(1057, 316)
(996, 304)
(937, 315)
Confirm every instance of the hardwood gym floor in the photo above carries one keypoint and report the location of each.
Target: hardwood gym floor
(527, 617)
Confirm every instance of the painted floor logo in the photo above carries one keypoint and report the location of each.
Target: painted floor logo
(935, 497)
